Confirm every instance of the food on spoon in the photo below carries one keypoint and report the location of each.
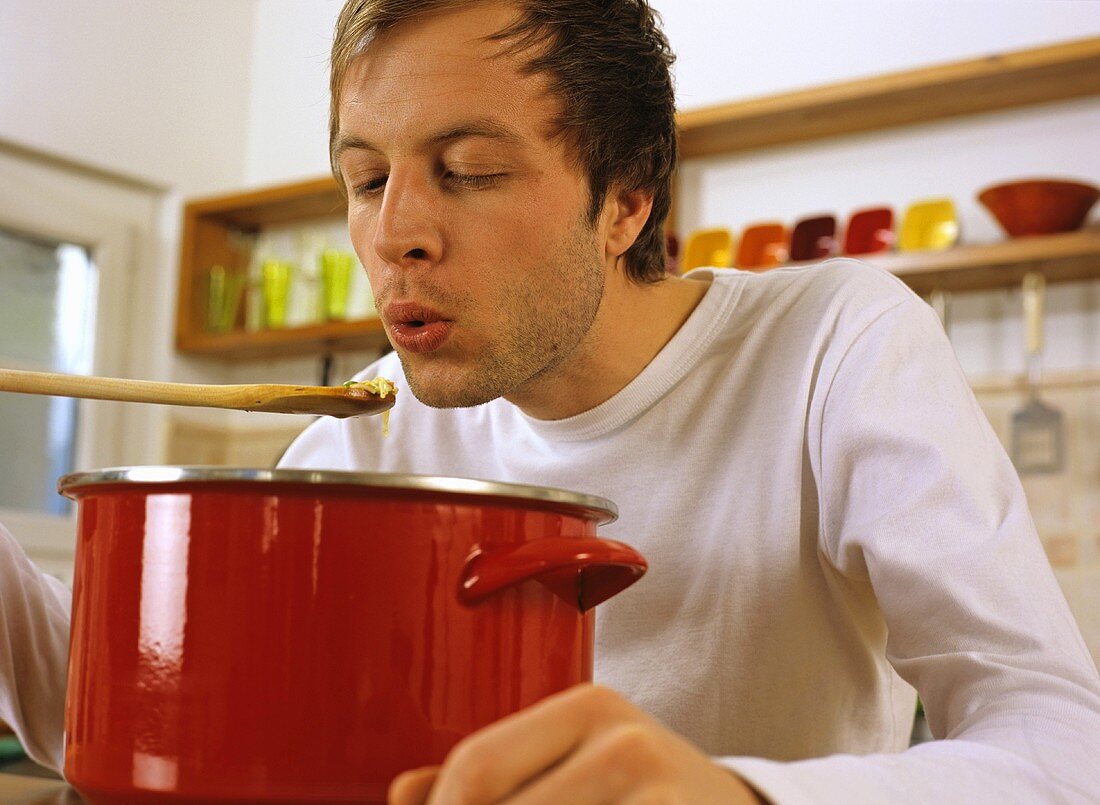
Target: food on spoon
(381, 386)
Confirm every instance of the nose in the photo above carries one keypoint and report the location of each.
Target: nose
(407, 231)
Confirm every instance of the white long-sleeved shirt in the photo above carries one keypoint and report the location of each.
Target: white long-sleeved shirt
(829, 521)
(34, 653)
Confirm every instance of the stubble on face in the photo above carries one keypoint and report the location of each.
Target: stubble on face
(536, 323)
(516, 268)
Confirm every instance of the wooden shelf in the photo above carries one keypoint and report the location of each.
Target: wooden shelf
(1001, 81)
(1069, 257)
(1059, 72)
(211, 230)
(318, 339)
(282, 204)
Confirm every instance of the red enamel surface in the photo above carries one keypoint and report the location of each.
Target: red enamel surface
(237, 642)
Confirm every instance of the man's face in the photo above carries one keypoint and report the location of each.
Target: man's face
(471, 220)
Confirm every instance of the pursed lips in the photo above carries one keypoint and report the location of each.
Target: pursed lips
(410, 313)
(415, 327)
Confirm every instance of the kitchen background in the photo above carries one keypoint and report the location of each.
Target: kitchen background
(113, 114)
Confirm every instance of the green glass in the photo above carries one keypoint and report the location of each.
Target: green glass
(276, 289)
(223, 299)
(336, 268)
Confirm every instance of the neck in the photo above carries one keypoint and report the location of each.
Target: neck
(633, 324)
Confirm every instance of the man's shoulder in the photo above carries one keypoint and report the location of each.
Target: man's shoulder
(817, 283)
(840, 291)
(795, 311)
(841, 276)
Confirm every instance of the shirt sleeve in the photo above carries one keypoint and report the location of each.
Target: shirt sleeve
(34, 652)
(920, 501)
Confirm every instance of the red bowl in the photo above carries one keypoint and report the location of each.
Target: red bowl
(1039, 206)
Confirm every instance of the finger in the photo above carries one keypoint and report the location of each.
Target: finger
(500, 759)
(609, 767)
(636, 763)
(412, 787)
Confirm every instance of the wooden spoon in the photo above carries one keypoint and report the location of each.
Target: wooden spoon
(337, 401)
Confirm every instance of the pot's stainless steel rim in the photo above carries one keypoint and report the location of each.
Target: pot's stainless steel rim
(426, 483)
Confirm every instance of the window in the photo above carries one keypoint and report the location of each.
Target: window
(47, 323)
(81, 280)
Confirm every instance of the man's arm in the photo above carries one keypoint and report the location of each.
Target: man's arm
(920, 504)
(34, 651)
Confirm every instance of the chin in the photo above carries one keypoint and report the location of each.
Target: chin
(437, 389)
(434, 398)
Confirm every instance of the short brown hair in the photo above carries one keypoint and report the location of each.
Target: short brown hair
(609, 63)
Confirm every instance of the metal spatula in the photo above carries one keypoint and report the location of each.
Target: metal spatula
(1038, 435)
(940, 301)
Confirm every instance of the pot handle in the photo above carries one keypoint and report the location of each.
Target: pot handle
(582, 571)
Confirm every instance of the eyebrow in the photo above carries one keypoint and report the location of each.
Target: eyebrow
(488, 129)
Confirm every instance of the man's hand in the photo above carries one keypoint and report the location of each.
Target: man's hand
(586, 745)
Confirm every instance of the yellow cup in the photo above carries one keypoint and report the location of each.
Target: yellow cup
(223, 298)
(929, 225)
(276, 290)
(336, 268)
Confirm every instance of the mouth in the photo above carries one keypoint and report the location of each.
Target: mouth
(416, 328)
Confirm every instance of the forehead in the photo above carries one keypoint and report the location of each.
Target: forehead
(423, 73)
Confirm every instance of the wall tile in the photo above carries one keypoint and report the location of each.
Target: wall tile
(1065, 505)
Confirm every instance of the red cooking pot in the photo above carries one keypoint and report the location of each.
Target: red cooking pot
(297, 636)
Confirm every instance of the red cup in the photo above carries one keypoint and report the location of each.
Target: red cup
(762, 246)
(869, 231)
(813, 238)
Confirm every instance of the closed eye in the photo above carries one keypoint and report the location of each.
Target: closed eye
(371, 187)
(451, 179)
(471, 181)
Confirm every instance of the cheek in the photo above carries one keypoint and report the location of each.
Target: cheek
(521, 231)
(361, 231)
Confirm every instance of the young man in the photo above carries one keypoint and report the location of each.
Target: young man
(829, 520)
(828, 517)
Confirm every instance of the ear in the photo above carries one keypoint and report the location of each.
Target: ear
(624, 215)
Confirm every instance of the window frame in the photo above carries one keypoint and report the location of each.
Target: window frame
(116, 224)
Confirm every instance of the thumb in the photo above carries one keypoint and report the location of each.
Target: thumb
(412, 787)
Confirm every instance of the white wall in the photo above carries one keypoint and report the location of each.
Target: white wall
(157, 90)
(735, 49)
(725, 51)
(207, 95)
(288, 114)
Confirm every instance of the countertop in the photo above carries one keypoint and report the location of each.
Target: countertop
(16, 789)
